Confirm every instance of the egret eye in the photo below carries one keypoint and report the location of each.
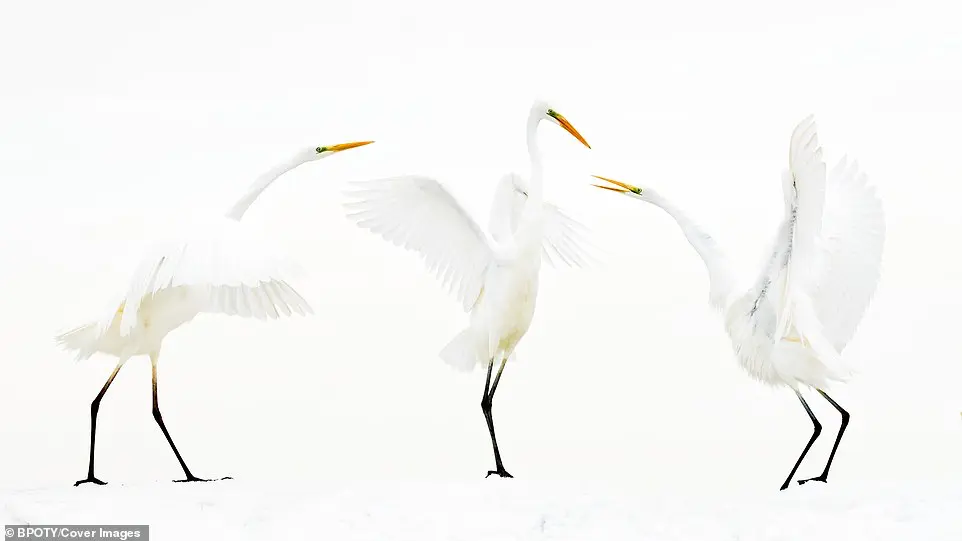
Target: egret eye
(319, 149)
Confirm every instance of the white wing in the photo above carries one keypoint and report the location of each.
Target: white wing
(807, 170)
(418, 214)
(227, 268)
(835, 249)
(507, 206)
(852, 237)
(565, 239)
(794, 256)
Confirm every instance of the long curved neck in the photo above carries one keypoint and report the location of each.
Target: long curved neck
(536, 188)
(719, 274)
(237, 211)
(527, 233)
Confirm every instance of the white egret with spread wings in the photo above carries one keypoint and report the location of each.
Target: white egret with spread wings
(789, 327)
(495, 279)
(214, 265)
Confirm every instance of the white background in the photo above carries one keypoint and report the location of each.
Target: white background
(114, 114)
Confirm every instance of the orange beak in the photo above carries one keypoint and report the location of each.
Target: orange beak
(570, 129)
(622, 186)
(346, 146)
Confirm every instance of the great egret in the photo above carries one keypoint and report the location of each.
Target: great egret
(790, 327)
(497, 279)
(217, 267)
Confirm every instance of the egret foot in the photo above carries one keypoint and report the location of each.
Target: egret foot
(90, 479)
(820, 478)
(192, 479)
(501, 472)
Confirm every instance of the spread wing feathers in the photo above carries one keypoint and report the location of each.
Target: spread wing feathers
(224, 266)
(793, 246)
(418, 214)
(852, 238)
(804, 186)
(507, 206)
(807, 171)
(565, 239)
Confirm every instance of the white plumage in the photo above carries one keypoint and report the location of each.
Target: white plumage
(852, 237)
(417, 213)
(213, 264)
(496, 278)
(790, 327)
(565, 240)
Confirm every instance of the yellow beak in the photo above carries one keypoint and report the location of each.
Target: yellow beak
(623, 187)
(346, 146)
(570, 129)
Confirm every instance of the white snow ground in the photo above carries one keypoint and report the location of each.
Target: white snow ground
(502, 510)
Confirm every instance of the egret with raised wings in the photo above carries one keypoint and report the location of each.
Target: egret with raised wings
(495, 279)
(216, 266)
(791, 324)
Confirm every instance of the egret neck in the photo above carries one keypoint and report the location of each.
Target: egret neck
(266, 179)
(720, 278)
(535, 188)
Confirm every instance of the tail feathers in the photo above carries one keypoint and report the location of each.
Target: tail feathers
(835, 368)
(810, 330)
(83, 340)
(466, 350)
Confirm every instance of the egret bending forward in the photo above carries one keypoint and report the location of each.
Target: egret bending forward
(221, 268)
(496, 280)
(791, 326)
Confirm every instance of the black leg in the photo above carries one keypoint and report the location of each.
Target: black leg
(94, 408)
(818, 430)
(160, 421)
(824, 477)
(486, 401)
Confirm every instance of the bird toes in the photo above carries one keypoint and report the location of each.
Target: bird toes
(93, 480)
(819, 479)
(192, 479)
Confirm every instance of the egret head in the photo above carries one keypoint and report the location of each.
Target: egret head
(317, 153)
(542, 111)
(623, 188)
